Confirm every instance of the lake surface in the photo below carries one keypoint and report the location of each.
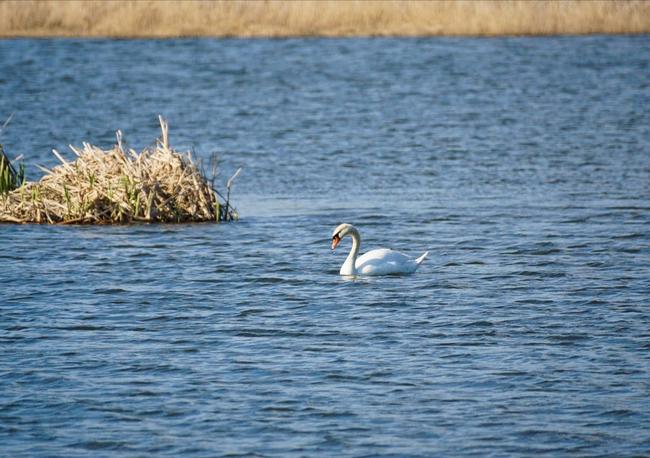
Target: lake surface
(521, 164)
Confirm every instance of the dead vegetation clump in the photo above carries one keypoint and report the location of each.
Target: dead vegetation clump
(119, 187)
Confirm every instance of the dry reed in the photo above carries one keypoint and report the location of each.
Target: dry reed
(253, 18)
(118, 186)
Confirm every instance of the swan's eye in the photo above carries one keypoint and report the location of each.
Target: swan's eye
(335, 237)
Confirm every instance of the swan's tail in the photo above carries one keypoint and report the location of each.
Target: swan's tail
(419, 260)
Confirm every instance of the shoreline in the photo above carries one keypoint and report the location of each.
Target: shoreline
(151, 19)
(309, 37)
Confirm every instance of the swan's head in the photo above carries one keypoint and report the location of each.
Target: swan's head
(341, 231)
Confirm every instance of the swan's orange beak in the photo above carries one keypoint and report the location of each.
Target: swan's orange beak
(335, 241)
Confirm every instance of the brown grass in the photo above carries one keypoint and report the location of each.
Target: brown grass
(117, 187)
(274, 18)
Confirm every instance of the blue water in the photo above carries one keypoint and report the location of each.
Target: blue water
(521, 164)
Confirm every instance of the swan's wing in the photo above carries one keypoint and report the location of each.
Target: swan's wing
(419, 260)
(384, 262)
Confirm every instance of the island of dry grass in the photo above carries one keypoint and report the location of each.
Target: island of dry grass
(275, 18)
(117, 186)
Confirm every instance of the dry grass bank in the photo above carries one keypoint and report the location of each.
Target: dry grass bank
(147, 18)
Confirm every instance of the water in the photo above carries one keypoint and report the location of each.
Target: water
(522, 164)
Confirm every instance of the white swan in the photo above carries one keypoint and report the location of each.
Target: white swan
(376, 262)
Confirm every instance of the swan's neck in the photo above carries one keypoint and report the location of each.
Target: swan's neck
(348, 267)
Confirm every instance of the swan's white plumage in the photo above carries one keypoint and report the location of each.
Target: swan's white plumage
(381, 261)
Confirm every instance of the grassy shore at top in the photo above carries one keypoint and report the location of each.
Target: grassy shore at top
(252, 18)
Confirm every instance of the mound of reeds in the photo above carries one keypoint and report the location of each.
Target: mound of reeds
(119, 187)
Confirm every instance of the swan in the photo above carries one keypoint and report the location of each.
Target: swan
(375, 262)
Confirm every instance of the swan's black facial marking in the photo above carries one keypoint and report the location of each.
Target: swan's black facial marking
(335, 240)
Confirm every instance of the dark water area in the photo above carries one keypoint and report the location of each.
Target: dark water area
(521, 164)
